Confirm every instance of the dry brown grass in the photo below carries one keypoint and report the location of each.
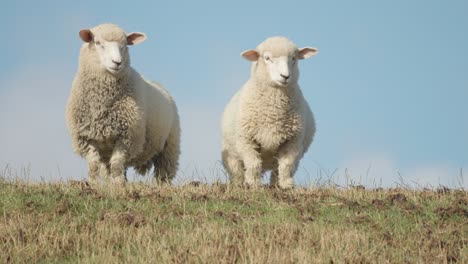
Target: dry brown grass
(75, 222)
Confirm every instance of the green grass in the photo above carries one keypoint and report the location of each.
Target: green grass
(74, 222)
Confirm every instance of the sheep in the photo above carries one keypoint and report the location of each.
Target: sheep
(268, 125)
(116, 118)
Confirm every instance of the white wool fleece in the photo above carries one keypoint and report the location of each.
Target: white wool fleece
(116, 118)
(268, 125)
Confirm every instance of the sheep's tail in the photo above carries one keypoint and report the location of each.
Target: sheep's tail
(167, 162)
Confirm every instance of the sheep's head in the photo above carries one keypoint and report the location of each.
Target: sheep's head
(275, 61)
(110, 43)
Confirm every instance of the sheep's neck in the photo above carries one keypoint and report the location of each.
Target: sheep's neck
(278, 100)
(265, 91)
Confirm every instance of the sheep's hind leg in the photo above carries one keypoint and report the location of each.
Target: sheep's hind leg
(143, 168)
(274, 177)
(166, 162)
(234, 168)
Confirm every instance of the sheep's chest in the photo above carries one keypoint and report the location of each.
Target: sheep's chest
(104, 119)
(272, 131)
(271, 122)
(105, 124)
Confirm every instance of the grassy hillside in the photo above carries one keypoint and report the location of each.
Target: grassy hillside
(222, 224)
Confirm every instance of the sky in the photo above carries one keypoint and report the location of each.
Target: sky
(388, 88)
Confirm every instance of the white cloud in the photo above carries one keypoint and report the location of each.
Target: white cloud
(435, 175)
(33, 134)
(380, 170)
(368, 169)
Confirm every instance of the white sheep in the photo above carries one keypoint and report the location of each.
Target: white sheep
(268, 125)
(116, 118)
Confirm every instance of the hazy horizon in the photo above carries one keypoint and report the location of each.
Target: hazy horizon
(388, 88)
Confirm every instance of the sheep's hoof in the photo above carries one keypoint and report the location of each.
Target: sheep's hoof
(93, 181)
(118, 181)
(255, 185)
(236, 182)
(287, 184)
(159, 181)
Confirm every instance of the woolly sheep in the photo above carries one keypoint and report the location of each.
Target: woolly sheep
(268, 125)
(116, 118)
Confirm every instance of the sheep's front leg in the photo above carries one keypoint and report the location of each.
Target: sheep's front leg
(105, 170)
(117, 166)
(288, 159)
(93, 159)
(234, 167)
(252, 163)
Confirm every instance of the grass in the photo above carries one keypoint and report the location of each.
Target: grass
(196, 223)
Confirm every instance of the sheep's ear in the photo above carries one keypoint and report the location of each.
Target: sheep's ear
(306, 52)
(251, 55)
(86, 35)
(135, 38)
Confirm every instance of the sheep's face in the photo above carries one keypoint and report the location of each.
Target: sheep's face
(111, 47)
(281, 69)
(276, 60)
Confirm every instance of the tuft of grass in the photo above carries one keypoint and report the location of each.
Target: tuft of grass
(75, 222)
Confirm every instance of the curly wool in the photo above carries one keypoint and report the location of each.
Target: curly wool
(263, 123)
(123, 112)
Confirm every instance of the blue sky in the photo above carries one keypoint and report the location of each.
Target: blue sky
(389, 87)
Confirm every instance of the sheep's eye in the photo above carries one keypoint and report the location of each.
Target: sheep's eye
(267, 58)
(98, 43)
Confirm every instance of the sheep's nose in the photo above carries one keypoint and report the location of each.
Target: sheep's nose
(117, 62)
(285, 76)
